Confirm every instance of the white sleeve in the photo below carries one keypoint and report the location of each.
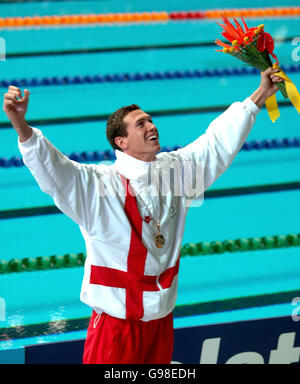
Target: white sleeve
(212, 153)
(72, 186)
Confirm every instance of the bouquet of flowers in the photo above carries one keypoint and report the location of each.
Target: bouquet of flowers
(254, 47)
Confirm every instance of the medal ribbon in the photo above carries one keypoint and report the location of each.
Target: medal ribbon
(293, 94)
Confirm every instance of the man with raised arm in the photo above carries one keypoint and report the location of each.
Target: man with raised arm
(132, 218)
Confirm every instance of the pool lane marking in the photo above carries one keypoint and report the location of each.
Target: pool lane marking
(104, 117)
(217, 306)
(120, 49)
(226, 192)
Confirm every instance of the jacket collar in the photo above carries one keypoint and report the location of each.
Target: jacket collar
(130, 167)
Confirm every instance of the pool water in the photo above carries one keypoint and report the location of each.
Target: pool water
(73, 118)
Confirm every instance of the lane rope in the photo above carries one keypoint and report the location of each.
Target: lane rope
(144, 17)
(43, 263)
(138, 76)
(109, 155)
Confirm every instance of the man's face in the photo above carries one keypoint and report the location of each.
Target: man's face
(142, 141)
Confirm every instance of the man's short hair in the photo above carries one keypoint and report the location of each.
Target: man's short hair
(115, 125)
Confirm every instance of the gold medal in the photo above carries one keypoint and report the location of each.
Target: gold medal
(159, 241)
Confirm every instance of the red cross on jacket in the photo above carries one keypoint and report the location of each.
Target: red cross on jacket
(134, 280)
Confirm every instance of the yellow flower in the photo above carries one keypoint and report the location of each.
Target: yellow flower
(231, 49)
(225, 50)
(234, 43)
(261, 27)
(246, 39)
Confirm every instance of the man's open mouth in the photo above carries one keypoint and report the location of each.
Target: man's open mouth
(152, 138)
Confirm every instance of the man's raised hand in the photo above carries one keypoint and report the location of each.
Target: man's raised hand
(267, 86)
(15, 106)
(269, 80)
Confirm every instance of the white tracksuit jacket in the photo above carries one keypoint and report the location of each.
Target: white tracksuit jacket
(125, 274)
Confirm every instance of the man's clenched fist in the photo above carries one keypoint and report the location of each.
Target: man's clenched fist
(15, 106)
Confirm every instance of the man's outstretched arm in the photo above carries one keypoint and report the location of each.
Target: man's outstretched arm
(72, 186)
(213, 152)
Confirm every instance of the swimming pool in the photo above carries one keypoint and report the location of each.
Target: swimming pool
(256, 198)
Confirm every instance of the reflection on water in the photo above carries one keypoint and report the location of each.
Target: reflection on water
(16, 319)
(58, 321)
(16, 327)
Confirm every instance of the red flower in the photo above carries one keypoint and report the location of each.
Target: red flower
(265, 42)
(249, 32)
(219, 42)
(236, 33)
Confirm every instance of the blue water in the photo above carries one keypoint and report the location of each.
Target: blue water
(38, 297)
